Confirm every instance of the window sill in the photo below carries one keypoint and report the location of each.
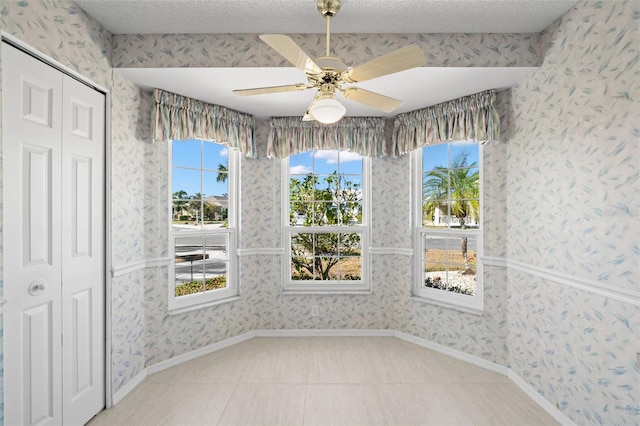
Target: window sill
(324, 292)
(178, 311)
(440, 303)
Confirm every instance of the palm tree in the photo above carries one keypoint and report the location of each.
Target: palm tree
(223, 172)
(179, 201)
(454, 189)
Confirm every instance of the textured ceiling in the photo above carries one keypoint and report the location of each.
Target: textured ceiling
(417, 88)
(301, 16)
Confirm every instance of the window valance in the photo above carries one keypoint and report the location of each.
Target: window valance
(290, 135)
(471, 117)
(179, 118)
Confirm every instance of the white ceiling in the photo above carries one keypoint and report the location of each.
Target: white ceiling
(301, 16)
(417, 88)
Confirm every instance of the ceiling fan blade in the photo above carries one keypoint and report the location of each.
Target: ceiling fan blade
(372, 99)
(271, 89)
(399, 60)
(285, 46)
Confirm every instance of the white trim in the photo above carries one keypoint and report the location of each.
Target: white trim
(391, 251)
(272, 251)
(540, 400)
(463, 356)
(127, 268)
(454, 353)
(352, 332)
(2, 303)
(129, 386)
(157, 262)
(180, 359)
(139, 265)
(607, 290)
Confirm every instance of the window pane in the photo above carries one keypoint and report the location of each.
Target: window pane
(302, 268)
(187, 181)
(325, 162)
(326, 268)
(466, 150)
(216, 156)
(216, 262)
(450, 264)
(351, 213)
(189, 265)
(350, 163)
(300, 164)
(350, 268)
(186, 153)
(434, 156)
(326, 243)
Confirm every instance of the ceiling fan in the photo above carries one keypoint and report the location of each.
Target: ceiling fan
(328, 74)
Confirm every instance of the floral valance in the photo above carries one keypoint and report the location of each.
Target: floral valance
(291, 135)
(177, 117)
(472, 117)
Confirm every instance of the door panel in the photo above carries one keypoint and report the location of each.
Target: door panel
(32, 263)
(53, 236)
(83, 271)
(38, 353)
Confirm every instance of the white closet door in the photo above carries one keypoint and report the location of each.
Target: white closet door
(32, 131)
(82, 252)
(49, 239)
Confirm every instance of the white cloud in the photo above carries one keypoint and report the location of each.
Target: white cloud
(331, 156)
(224, 152)
(299, 170)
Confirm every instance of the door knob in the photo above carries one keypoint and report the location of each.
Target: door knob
(37, 287)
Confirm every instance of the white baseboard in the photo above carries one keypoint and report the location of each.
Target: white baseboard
(128, 387)
(324, 333)
(540, 400)
(453, 353)
(463, 356)
(180, 359)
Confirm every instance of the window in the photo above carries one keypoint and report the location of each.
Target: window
(325, 200)
(202, 235)
(448, 217)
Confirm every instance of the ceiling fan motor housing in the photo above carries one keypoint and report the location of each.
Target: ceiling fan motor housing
(329, 7)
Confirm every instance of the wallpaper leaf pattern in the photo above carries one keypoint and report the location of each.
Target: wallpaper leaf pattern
(562, 193)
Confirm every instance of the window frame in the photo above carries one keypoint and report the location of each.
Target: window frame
(212, 297)
(363, 285)
(436, 296)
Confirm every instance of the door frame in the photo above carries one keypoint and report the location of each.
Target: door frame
(108, 278)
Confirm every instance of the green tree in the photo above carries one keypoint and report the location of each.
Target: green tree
(180, 200)
(332, 201)
(454, 190)
(195, 205)
(223, 172)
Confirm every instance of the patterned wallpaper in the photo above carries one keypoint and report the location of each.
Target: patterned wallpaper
(571, 146)
(246, 50)
(572, 198)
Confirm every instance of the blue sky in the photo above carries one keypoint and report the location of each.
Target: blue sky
(436, 155)
(187, 157)
(325, 163)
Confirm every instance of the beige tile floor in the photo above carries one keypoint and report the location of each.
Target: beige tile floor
(325, 381)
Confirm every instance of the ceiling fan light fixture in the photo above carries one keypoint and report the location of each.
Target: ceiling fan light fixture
(327, 110)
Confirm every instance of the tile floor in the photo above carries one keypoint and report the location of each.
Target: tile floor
(325, 381)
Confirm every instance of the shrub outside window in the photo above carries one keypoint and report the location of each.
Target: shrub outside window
(448, 216)
(326, 235)
(202, 217)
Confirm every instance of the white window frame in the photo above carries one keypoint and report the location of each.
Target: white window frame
(330, 286)
(231, 292)
(436, 296)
